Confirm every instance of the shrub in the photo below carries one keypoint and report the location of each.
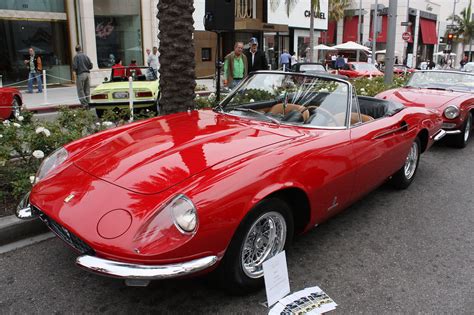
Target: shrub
(373, 86)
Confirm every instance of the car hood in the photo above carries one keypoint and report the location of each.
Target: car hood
(423, 97)
(122, 86)
(153, 156)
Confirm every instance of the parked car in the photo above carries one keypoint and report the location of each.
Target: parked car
(226, 189)
(360, 69)
(10, 103)
(468, 67)
(450, 93)
(402, 70)
(114, 92)
(309, 67)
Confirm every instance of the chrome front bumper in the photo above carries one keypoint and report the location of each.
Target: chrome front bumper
(140, 275)
(439, 135)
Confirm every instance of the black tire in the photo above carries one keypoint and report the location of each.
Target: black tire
(16, 108)
(460, 140)
(405, 175)
(230, 274)
(99, 112)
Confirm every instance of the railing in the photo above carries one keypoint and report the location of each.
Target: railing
(245, 9)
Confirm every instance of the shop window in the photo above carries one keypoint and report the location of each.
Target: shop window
(206, 54)
(49, 40)
(118, 32)
(33, 5)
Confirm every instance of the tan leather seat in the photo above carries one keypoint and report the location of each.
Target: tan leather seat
(278, 109)
(354, 118)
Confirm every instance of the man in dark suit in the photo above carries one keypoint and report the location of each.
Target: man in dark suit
(256, 59)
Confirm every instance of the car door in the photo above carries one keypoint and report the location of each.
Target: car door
(4, 105)
(379, 147)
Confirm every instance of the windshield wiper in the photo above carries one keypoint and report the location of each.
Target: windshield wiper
(249, 110)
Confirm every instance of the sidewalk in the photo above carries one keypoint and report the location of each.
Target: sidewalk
(67, 95)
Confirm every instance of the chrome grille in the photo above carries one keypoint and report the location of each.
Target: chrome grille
(64, 234)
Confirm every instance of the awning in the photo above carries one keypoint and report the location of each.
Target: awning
(428, 32)
(330, 34)
(350, 28)
(382, 36)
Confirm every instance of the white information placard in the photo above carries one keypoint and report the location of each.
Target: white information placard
(275, 273)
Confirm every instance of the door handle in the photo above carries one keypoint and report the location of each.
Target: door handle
(401, 127)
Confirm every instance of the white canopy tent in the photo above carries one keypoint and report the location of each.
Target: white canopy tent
(351, 46)
(440, 53)
(321, 47)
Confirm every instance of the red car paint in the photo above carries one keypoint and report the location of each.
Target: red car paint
(225, 165)
(435, 100)
(7, 95)
(352, 70)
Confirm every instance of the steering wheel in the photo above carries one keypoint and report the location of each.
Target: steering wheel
(324, 112)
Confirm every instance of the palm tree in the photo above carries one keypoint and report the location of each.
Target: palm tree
(177, 70)
(465, 26)
(337, 8)
(289, 5)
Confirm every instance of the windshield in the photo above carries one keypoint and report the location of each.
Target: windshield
(443, 80)
(312, 67)
(365, 67)
(121, 73)
(291, 99)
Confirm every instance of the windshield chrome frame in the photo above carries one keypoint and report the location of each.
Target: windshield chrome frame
(322, 75)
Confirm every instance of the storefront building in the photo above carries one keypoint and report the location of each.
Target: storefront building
(112, 29)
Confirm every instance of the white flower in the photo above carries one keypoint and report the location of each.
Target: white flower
(38, 154)
(323, 90)
(97, 123)
(6, 122)
(17, 125)
(21, 118)
(107, 124)
(43, 130)
(252, 100)
(362, 90)
(1, 136)
(32, 179)
(211, 97)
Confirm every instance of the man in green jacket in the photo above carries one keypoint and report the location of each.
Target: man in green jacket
(235, 66)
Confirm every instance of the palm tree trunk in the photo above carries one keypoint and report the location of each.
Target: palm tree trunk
(177, 70)
(311, 35)
(470, 49)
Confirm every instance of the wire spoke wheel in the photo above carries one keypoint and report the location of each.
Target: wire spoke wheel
(16, 108)
(265, 238)
(411, 161)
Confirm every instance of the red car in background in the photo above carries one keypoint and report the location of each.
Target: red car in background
(228, 188)
(360, 69)
(10, 103)
(450, 93)
(402, 70)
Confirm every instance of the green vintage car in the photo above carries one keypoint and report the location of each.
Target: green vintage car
(114, 92)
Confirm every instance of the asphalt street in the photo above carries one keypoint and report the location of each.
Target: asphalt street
(399, 252)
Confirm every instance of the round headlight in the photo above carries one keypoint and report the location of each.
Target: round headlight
(451, 112)
(184, 214)
(51, 162)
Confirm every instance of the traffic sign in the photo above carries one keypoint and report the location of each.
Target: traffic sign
(406, 36)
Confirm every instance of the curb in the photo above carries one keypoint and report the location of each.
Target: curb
(13, 229)
(50, 109)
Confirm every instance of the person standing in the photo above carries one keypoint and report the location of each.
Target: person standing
(35, 67)
(285, 60)
(118, 70)
(153, 60)
(256, 59)
(463, 62)
(294, 60)
(81, 64)
(235, 66)
(340, 62)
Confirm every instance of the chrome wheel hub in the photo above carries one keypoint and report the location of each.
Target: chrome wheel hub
(265, 238)
(411, 161)
(467, 132)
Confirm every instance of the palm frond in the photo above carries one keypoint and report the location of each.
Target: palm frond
(274, 4)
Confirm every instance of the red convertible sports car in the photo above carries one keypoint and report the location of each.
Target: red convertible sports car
(360, 69)
(10, 103)
(224, 190)
(451, 93)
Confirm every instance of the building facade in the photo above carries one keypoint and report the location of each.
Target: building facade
(111, 29)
